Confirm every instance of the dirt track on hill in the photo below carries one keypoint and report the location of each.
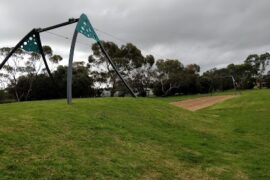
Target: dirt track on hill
(203, 102)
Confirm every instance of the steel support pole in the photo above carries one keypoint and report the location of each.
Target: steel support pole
(46, 64)
(43, 56)
(114, 67)
(69, 71)
(70, 21)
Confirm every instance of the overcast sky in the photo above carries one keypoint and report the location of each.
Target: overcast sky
(211, 33)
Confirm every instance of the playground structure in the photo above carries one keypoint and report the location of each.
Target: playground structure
(31, 42)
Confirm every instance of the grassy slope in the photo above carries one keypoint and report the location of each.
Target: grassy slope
(136, 138)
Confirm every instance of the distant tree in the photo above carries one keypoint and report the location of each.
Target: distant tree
(219, 79)
(191, 83)
(204, 85)
(13, 69)
(33, 68)
(82, 83)
(267, 79)
(193, 68)
(105, 74)
(43, 88)
(130, 62)
(3, 80)
(258, 64)
(28, 80)
(18, 70)
(168, 77)
(3, 96)
(142, 76)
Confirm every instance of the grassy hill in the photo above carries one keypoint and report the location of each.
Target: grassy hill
(142, 138)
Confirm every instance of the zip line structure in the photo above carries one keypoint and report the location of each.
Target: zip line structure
(31, 42)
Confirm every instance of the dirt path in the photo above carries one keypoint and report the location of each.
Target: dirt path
(199, 103)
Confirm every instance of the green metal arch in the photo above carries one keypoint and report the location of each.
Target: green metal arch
(84, 27)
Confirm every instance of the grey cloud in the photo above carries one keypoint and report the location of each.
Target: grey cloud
(207, 32)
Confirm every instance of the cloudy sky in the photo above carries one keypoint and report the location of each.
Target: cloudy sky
(211, 33)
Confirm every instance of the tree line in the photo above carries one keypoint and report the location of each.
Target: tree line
(24, 77)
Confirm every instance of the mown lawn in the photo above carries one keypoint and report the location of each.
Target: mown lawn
(142, 138)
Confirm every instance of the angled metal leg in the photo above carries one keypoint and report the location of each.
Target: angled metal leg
(46, 64)
(114, 67)
(43, 56)
(69, 71)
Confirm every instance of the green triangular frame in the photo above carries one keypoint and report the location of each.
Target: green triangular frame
(84, 27)
(31, 44)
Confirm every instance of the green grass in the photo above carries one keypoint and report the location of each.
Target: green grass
(142, 138)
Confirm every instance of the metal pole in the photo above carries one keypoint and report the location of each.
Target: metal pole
(43, 56)
(69, 72)
(46, 64)
(70, 21)
(114, 67)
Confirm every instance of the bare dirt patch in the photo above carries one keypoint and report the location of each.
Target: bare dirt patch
(203, 102)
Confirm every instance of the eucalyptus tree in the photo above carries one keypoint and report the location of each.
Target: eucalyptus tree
(132, 65)
(259, 65)
(13, 69)
(24, 65)
(169, 76)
